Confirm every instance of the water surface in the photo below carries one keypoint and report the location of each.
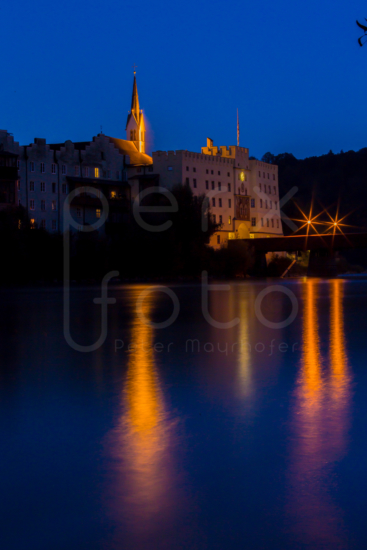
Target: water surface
(189, 436)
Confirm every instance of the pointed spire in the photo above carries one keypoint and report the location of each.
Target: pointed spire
(135, 109)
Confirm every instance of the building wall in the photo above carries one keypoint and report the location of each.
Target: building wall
(229, 178)
(45, 169)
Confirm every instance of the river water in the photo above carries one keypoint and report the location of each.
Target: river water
(241, 425)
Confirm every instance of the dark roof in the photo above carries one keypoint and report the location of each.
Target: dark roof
(80, 145)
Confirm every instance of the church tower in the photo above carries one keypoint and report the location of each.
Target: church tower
(135, 127)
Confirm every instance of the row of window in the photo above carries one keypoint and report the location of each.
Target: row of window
(207, 171)
(43, 205)
(87, 170)
(270, 204)
(220, 202)
(268, 175)
(220, 218)
(42, 224)
(269, 189)
(43, 187)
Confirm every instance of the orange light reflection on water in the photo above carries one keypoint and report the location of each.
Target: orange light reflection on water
(321, 420)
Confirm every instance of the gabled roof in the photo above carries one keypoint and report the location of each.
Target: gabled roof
(128, 148)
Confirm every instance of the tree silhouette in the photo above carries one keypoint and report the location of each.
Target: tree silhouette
(364, 35)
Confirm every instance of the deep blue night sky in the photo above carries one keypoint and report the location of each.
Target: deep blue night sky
(294, 70)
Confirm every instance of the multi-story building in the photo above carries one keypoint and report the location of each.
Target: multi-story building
(243, 193)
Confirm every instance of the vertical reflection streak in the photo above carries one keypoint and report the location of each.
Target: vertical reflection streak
(320, 423)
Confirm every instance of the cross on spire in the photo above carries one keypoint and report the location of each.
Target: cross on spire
(135, 67)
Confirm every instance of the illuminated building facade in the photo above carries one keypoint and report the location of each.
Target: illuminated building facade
(243, 193)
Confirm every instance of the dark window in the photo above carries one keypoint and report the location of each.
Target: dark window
(220, 219)
(213, 201)
(187, 168)
(218, 172)
(211, 172)
(219, 186)
(187, 181)
(253, 222)
(213, 185)
(54, 187)
(218, 239)
(229, 203)
(194, 169)
(229, 187)
(207, 171)
(206, 184)
(220, 202)
(195, 183)
(252, 203)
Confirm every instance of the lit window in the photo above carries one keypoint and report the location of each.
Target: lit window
(113, 194)
(252, 203)
(32, 221)
(53, 205)
(253, 222)
(229, 220)
(31, 185)
(19, 224)
(31, 204)
(42, 167)
(63, 169)
(229, 203)
(53, 168)
(43, 224)
(96, 172)
(98, 213)
(43, 187)
(31, 166)
(43, 205)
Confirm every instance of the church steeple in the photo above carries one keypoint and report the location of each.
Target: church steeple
(135, 127)
(135, 110)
